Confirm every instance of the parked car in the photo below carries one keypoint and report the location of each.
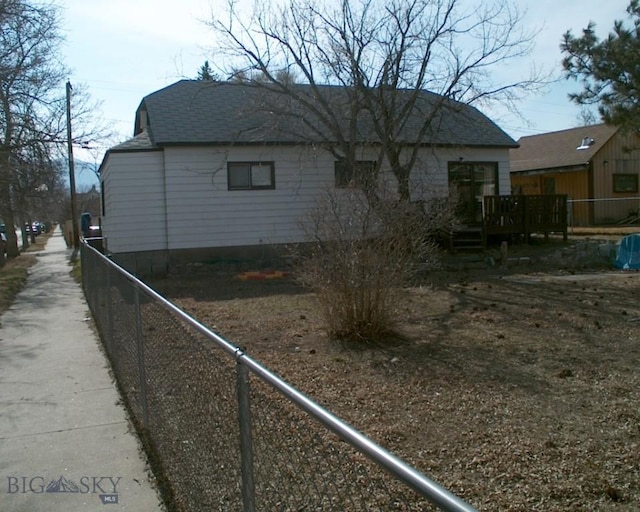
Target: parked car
(32, 229)
(3, 245)
(3, 240)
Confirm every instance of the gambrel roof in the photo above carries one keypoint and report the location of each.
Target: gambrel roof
(559, 150)
(192, 112)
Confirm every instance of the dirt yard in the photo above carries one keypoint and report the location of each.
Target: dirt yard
(516, 388)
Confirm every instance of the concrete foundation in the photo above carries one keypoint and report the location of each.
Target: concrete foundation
(239, 258)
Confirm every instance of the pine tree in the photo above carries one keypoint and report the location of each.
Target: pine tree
(205, 72)
(608, 69)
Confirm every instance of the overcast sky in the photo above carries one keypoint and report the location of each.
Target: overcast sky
(123, 50)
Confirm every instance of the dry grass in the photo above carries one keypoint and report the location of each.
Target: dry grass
(518, 390)
(12, 278)
(604, 230)
(13, 275)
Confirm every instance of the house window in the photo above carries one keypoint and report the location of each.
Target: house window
(625, 183)
(353, 175)
(251, 175)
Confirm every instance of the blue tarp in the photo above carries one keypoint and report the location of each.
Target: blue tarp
(628, 256)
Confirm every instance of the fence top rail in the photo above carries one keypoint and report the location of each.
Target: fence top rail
(603, 199)
(520, 199)
(426, 487)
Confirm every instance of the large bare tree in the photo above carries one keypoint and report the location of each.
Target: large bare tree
(373, 77)
(385, 55)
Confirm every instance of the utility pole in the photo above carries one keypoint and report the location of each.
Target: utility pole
(72, 174)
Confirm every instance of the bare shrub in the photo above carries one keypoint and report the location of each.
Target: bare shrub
(359, 256)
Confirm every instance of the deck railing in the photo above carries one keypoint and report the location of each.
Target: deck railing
(507, 215)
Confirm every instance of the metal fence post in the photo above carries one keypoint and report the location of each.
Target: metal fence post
(84, 269)
(98, 282)
(246, 442)
(109, 326)
(141, 370)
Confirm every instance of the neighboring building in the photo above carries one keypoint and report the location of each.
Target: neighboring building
(596, 166)
(89, 202)
(211, 173)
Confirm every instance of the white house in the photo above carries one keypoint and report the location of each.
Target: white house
(208, 174)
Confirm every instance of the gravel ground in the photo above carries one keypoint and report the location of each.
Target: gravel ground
(517, 389)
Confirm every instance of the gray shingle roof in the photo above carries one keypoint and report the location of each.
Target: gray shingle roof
(140, 141)
(558, 149)
(193, 112)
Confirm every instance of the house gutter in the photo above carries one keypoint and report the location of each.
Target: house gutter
(549, 170)
(289, 143)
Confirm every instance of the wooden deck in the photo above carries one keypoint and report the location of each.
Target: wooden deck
(525, 215)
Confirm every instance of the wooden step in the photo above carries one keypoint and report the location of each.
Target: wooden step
(466, 238)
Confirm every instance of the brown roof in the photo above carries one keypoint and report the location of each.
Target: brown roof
(559, 149)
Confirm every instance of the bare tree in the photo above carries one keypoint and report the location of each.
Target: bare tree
(586, 117)
(34, 179)
(359, 256)
(374, 81)
(32, 105)
(29, 40)
(384, 56)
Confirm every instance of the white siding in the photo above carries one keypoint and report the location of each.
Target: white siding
(201, 212)
(431, 174)
(134, 214)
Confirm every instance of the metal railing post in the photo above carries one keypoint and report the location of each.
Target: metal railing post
(141, 370)
(84, 269)
(98, 283)
(246, 441)
(109, 326)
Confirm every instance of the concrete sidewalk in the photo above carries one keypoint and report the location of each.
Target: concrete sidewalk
(65, 442)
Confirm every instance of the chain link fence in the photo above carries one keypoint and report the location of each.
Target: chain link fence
(223, 432)
(610, 211)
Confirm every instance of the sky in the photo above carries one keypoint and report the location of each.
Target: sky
(123, 50)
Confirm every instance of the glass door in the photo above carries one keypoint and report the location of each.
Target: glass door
(471, 182)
